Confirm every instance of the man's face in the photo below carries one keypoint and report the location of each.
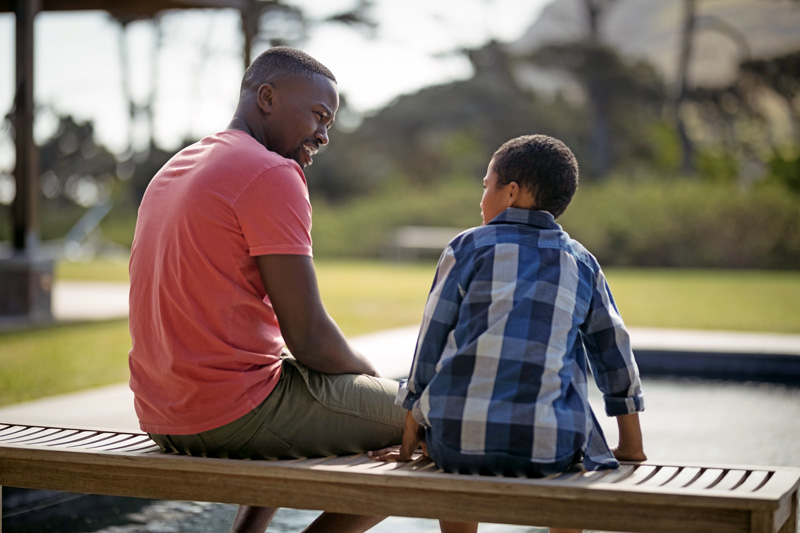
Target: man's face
(496, 197)
(303, 109)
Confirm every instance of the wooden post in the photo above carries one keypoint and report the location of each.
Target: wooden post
(26, 202)
(249, 15)
(25, 279)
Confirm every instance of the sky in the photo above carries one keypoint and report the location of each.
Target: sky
(78, 69)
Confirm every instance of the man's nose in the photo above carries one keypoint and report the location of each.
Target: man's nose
(322, 135)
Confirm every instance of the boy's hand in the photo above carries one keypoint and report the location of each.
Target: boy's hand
(413, 438)
(629, 455)
(392, 454)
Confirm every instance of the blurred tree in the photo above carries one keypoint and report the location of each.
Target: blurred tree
(74, 168)
(145, 109)
(685, 89)
(631, 97)
(265, 23)
(268, 23)
(782, 76)
(440, 131)
(600, 141)
(684, 60)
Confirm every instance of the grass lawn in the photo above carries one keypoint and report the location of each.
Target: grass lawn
(366, 296)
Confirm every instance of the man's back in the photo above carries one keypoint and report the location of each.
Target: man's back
(205, 345)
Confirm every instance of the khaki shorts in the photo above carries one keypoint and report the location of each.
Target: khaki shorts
(308, 414)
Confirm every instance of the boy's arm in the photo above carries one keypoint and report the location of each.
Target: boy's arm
(438, 320)
(609, 351)
(630, 446)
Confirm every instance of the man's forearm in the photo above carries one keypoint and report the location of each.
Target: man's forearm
(310, 333)
(328, 351)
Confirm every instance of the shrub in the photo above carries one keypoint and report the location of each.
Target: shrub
(686, 223)
(646, 222)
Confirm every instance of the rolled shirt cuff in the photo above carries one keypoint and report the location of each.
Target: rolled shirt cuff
(624, 406)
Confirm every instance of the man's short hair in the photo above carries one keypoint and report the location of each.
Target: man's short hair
(544, 165)
(282, 62)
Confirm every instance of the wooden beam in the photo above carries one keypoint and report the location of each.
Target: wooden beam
(134, 8)
(25, 208)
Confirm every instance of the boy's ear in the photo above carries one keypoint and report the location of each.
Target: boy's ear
(513, 193)
(264, 97)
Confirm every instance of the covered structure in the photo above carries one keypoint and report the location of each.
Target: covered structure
(26, 278)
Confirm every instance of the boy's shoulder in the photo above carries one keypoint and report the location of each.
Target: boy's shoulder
(491, 235)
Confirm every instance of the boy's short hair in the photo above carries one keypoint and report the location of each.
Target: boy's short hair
(282, 62)
(543, 165)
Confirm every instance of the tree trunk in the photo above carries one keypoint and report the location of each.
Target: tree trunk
(684, 60)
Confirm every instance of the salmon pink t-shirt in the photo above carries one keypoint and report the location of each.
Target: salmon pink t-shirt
(205, 338)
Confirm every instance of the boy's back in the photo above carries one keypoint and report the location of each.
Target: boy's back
(500, 366)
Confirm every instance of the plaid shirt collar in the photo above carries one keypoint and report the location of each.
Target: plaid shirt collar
(529, 217)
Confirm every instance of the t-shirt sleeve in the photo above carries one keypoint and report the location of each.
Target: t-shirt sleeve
(274, 213)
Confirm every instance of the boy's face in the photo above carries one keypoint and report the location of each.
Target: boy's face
(496, 198)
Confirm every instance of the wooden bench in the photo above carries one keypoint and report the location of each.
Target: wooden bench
(418, 242)
(636, 497)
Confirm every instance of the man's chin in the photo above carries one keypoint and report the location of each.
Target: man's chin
(301, 158)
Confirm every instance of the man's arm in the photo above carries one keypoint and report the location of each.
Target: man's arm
(310, 333)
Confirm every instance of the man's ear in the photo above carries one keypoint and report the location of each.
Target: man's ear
(264, 97)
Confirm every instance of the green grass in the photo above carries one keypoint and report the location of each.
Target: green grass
(365, 296)
(763, 301)
(110, 269)
(50, 361)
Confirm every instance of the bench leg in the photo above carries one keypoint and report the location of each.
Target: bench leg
(250, 518)
(790, 526)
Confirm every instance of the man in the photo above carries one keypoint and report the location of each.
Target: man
(222, 282)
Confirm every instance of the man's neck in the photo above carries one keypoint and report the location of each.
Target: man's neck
(237, 123)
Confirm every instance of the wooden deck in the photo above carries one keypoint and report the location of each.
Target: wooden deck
(659, 497)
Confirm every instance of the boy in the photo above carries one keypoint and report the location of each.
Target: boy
(498, 381)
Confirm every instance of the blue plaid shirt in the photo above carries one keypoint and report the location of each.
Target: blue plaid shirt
(501, 360)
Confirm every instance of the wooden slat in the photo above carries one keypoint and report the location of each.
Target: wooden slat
(93, 439)
(732, 479)
(708, 477)
(58, 436)
(71, 438)
(25, 434)
(620, 474)
(110, 442)
(31, 437)
(686, 477)
(663, 476)
(754, 481)
(133, 443)
(16, 432)
(640, 474)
